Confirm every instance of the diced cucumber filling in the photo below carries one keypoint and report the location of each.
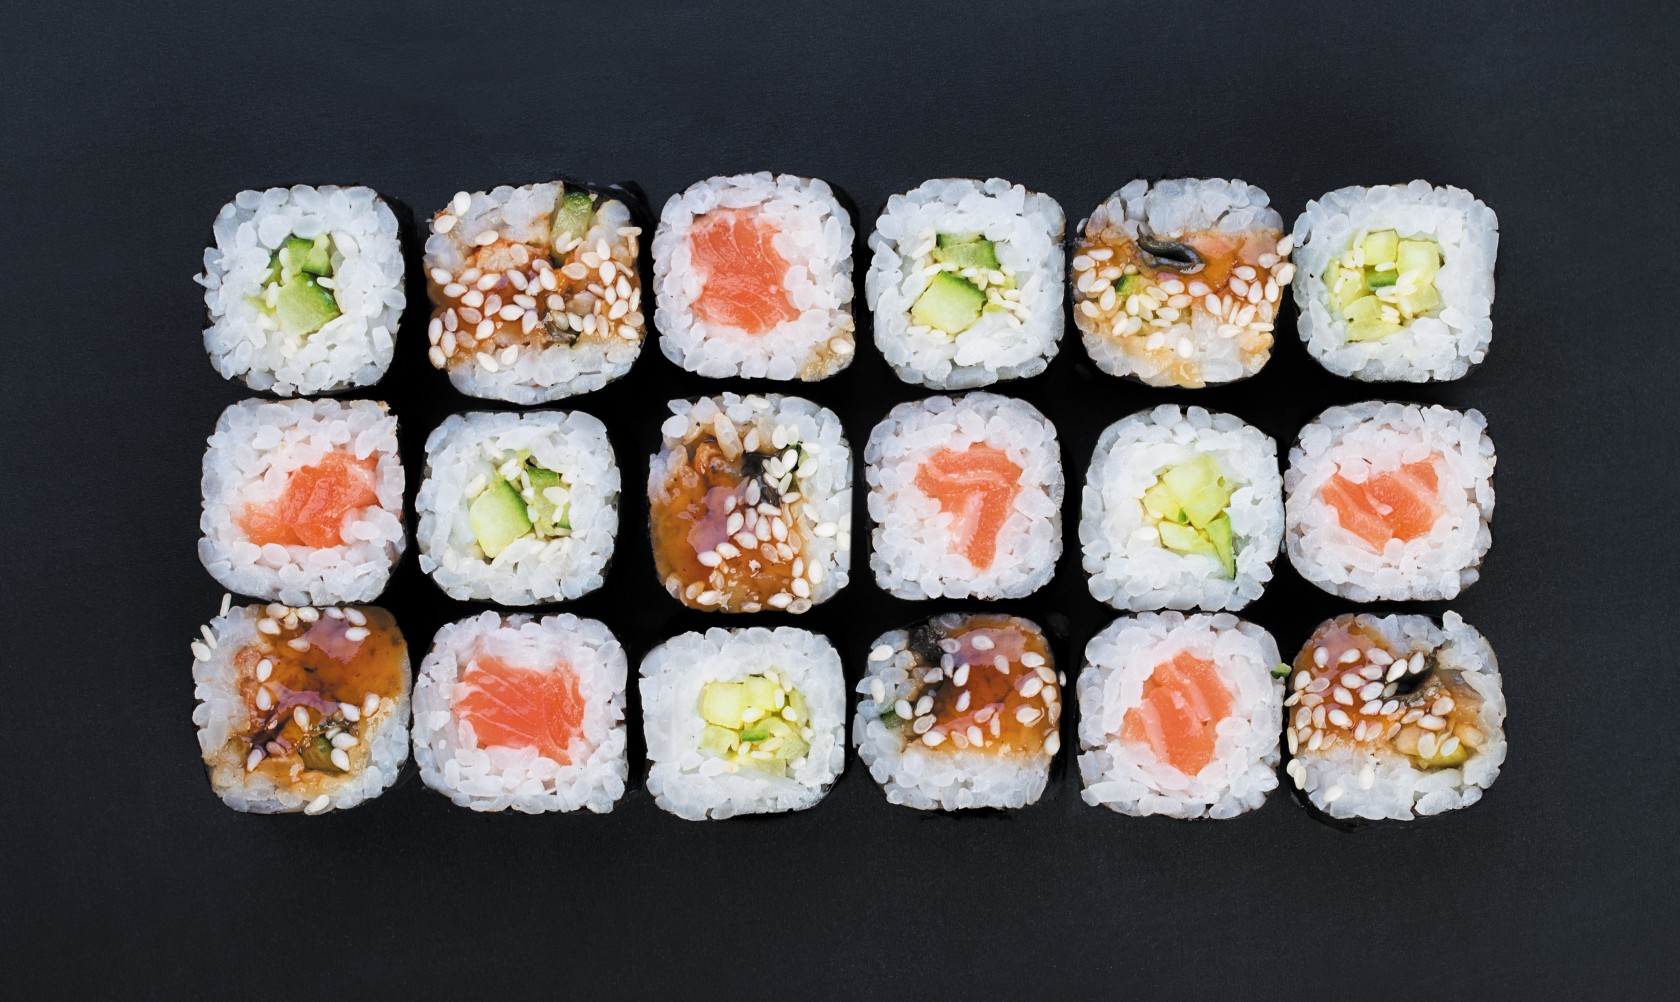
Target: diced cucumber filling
(965, 250)
(1186, 505)
(534, 502)
(292, 294)
(1383, 283)
(949, 303)
(759, 722)
(574, 210)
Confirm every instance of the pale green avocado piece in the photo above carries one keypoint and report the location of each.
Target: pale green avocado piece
(1375, 280)
(1423, 300)
(303, 307)
(1219, 534)
(498, 517)
(1365, 322)
(1161, 502)
(318, 261)
(1352, 290)
(292, 254)
(975, 253)
(721, 703)
(792, 746)
(760, 693)
(573, 212)
(1380, 247)
(1209, 504)
(1192, 479)
(546, 516)
(1440, 761)
(949, 303)
(720, 740)
(1420, 256)
(1184, 539)
(801, 709)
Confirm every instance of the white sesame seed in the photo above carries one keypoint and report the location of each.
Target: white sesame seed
(318, 805)
(1340, 718)
(370, 704)
(1321, 657)
(1349, 656)
(265, 699)
(904, 710)
(1333, 794)
(1367, 776)
(933, 739)
(1052, 744)
(356, 634)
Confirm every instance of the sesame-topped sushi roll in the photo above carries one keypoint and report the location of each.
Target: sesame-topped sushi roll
(959, 712)
(1392, 717)
(304, 288)
(535, 292)
(966, 497)
(303, 500)
(743, 721)
(518, 508)
(1182, 509)
(1397, 281)
(966, 282)
(754, 274)
(1177, 283)
(750, 503)
(301, 709)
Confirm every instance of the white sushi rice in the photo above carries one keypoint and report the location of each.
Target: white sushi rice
(255, 448)
(695, 784)
(1442, 345)
(1366, 438)
(1128, 777)
(1128, 566)
(913, 554)
(530, 570)
(814, 237)
(496, 778)
(353, 349)
(1026, 230)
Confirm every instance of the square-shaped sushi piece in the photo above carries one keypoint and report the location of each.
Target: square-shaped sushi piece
(303, 500)
(1178, 716)
(1390, 501)
(1182, 509)
(1397, 281)
(754, 276)
(750, 503)
(1394, 717)
(301, 709)
(303, 288)
(743, 721)
(536, 292)
(518, 509)
(1177, 283)
(522, 713)
(966, 282)
(966, 497)
(960, 711)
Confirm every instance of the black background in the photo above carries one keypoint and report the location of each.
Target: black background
(124, 129)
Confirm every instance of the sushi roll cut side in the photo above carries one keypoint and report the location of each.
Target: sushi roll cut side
(742, 722)
(966, 282)
(754, 275)
(536, 294)
(1178, 283)
(966, 496)
(961, 712)
(511, 712)
(303, 500)
(750, 504)
(304, 288)
(301, 709)
(1397, 281)
(1393, 717)
(1182, 509)
(518, 508)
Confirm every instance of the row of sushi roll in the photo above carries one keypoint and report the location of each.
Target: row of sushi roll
(537, 294)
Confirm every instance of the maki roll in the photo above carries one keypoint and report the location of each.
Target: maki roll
(1178, 716)
(518, 509)
(511, 712)
(301, 709)
(959, 712)
(1390, 501)
(754, 274)
(303, 288)
(750, 504)
(1178, 283)
(535, 292)
(966, 282)
(1182, 509)
(303, 500)
(1397, 281)
(1393, 717)
(966, 496)
(742, 721)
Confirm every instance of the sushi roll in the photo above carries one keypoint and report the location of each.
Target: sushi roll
(536, 293)
(1397, 281)
(511, 712)
(750, 504)
(1178, 283)
(301, 708)
(518, 509)
(303, 500)
(966, 497)
(1394, 717)
(960, 711)
(742, 721)
(966, 282)
(1182, 509)
(1178, 716)
(303, 288)
(1390, 501)
(754, 275)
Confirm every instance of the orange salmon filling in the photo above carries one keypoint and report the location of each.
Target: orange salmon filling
(513, 707)
(311, 510)
(1398, 504)
(978, 486)
(1183, 702)
(1001, 692)
(742, 272)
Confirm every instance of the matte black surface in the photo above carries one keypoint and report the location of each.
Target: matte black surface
(125, 128)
